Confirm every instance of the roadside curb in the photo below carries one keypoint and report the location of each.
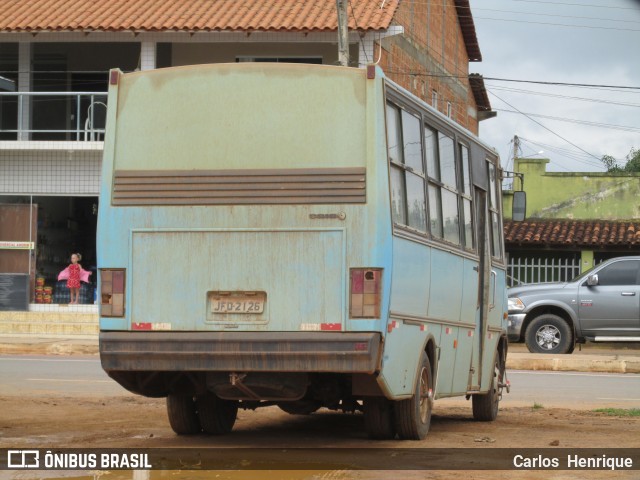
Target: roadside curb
(49, 348)
(50, 345)
(594, 363)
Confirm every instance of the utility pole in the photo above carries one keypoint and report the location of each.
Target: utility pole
(343, 32)
(516, 147)
(516, 150)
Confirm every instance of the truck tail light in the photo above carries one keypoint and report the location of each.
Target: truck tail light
(364, 291)
(112, 292)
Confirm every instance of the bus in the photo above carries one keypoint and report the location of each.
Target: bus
(299, 236)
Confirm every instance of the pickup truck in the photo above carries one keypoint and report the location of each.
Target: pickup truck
(601, 305)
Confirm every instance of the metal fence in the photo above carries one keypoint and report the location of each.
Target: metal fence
(541, 269)
(78, 116)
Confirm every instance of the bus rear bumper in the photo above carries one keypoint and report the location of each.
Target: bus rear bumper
(336, 352)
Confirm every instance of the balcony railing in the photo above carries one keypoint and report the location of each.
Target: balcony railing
(78, 116)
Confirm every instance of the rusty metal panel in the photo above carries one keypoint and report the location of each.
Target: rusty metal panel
(240, 187)
(174, 272)
(241, 351)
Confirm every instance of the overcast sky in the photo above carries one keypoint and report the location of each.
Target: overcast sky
(518, 43)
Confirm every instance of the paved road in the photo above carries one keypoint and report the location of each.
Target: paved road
(83, 376)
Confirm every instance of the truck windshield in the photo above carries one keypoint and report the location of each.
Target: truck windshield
(583, 275)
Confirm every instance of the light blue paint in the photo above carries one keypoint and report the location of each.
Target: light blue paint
(446, 282)
(411, 279)
(175, 255)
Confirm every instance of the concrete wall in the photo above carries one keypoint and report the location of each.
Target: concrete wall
(576, 195)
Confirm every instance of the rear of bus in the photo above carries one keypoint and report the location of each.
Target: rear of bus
(244, 237)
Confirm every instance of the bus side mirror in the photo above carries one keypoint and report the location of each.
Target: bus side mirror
(519, 208)
(592, 280)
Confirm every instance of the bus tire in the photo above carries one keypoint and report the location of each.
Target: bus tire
(413, 416)
(485, 406)
(378, 418)
(549, 333)
(216, 416)
(183, 418)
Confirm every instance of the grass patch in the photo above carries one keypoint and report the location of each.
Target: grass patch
(620, 412)
(537, 406)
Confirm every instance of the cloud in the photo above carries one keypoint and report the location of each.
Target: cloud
(531, 51)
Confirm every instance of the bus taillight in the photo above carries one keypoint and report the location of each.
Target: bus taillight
(364, 299)
(112, 288)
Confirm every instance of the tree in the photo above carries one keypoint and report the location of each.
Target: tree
(632, 162)
(610, 163)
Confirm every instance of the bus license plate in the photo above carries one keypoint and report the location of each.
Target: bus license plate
(248, 304)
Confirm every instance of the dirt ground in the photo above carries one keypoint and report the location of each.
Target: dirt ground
(131, 421)
(128, 421)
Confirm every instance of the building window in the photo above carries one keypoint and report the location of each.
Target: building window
(449, 109)
(434, 99)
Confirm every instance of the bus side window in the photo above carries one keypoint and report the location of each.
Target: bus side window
(496, 234)
(450, 213)
(467, 220)
(433, 172)
(407, 170)
(394, 150)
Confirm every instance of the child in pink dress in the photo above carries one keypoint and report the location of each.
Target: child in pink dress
(73, 274)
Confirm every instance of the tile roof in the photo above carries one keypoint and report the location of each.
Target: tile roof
(600, 233)
(190, 15)
(468, 30)
(476, 81)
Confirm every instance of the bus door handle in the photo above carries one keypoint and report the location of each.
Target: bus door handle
(494, 274)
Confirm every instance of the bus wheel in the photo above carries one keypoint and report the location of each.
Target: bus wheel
(378, 418)
(413, 416)
(485, 406)
(183, 418)
(216, 416)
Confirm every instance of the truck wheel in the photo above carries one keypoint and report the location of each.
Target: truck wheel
(378, 418)
(216, 416)
(549, 334)
(413, 416)
(183, 418)
(485, 406)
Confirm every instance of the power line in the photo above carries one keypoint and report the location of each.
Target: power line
(576, 4)
(625, 128)
(520, 12)
(596, 27)
(555, 147)
(571, 154)
(355, 20)
(541, 82)
(567, 97)
(543, 126)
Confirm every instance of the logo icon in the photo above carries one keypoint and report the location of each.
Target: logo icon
(23, 459)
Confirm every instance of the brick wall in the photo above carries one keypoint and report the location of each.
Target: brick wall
(431, 55)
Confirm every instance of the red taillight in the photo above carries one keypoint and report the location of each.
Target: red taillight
(112, 291)
(365, 293)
